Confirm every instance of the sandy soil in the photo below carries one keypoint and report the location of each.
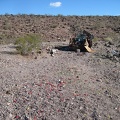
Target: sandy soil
(68, 86)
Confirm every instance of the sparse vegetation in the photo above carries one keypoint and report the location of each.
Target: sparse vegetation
(95, 39)
(108, 39)
(28, 43)
(53, 27)
(66, 85)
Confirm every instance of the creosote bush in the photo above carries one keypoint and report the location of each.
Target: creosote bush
(27, 44)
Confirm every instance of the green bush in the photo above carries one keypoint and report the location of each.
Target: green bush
(27, 44)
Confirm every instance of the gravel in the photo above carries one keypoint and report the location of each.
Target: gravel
(66, 86)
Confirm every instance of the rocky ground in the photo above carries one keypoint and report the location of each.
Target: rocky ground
(69, 86)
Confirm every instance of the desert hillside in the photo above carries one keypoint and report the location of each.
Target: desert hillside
(53, 28)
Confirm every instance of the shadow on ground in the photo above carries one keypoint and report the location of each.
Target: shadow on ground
(64, 48)
(11, 50)
(68, 48)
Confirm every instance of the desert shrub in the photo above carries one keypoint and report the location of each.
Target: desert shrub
(95, 39)
(53, 26)
(27, 44)
(108, 39)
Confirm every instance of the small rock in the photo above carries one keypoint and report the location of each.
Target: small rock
(53, 51)
(39, 52)
(77, 76)
(110, 43)
(116, 59)
(98, 80)
(107, 45)
(8, 92)
(78, 50)
(10, 115)
(59, 81)
(26, 118)
(81, 107)
(35, 57)
(116, 53)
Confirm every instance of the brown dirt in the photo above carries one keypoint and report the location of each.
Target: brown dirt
(52, 28)
(68, 86)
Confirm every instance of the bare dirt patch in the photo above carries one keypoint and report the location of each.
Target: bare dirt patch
(68, 86)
